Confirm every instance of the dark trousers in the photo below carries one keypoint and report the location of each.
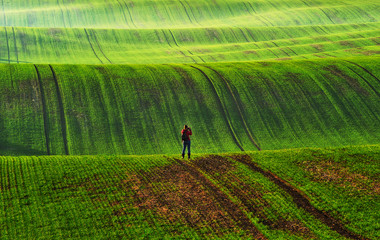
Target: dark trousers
(186, 144)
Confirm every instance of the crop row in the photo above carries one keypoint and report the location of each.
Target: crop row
(140, 109)
(174, 14)
(194, 45)
(213, 196)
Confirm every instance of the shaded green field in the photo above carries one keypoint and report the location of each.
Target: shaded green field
(140, 109)
(178, 14)
(159, 31)
(213, 196)
(192, 45)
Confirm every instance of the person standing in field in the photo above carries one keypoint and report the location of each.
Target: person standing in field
(186, 132)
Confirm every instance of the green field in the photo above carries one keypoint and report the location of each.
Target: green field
(283, 97)
(126, 109)
(224, 196)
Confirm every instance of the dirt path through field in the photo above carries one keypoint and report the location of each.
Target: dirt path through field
(225, 202)
(300, 199)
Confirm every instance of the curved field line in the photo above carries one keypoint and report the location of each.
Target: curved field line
(223, 109)
(121, 8)
(306, 3)
(364, 70)
(6, 36)
(15, 45)
(88, 38)
(130, 15)
(272, 52)
(185, 10)
(192, 12)
(370, 85)
(292, 51)
(44, 112)
(100, 48)
(233, 210)
(327, 15)
(255, 13)
(300, 198)
(245, 36)
(175, 42)
(233, 33)
(5, 19)
(63, 17)
(250, 34)
(61, 111)
(238, 107)
(197, 56)
(275, 101)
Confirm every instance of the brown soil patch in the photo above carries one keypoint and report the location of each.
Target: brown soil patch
(318, 47)
(354, 83)
(250, 195)
(347, 44)
(180, 194)
(333, 172)
(283, 59)
(176, 196)
(370, 52)
(250, 52)
(300, 199)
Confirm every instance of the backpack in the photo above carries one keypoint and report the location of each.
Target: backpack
(184, 136)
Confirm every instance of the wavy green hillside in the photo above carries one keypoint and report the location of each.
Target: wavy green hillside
(162, 31)
(191, 45)
(149, 14)
(277, 93)
(286, 194)
(139, 109)
(122, 77)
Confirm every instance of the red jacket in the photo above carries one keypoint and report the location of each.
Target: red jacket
(188, 133)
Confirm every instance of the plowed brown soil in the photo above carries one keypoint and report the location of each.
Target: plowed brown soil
(181, 194)
(251, 195)
(300, 199)
(336, 173)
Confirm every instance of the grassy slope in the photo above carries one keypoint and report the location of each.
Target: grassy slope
(214, 44)
(109, 196)
(119, 31)
(139, 109)
(178, 14)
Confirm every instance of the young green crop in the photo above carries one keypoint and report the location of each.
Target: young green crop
(150, 14)
(122, 196)
(192, 45)
(140, 109)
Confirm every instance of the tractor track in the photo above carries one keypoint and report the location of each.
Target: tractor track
(364, 70)
(92, 47)
(63, 16)
(175, 42)
(370, 85)
(226, 119)
(44, 111)
(130, 15)
(15, 44)
(121, 8)
(100, 48)
(299, 198)
(185, 11)
(238, 107)
(61, 112)
(327, 15)
(228, 205)
(6, 36)
(192, 12)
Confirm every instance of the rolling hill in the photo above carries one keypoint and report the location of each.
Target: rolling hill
(282, 96)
